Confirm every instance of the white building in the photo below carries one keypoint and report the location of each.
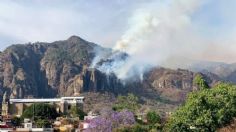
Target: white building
(63, 104)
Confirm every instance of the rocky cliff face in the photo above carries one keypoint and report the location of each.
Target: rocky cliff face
(173, 85)
(53, 69)
(62, 68)
(20, 73)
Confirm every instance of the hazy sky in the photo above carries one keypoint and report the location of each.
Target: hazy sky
(106, 21)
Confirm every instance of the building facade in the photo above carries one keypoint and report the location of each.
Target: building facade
(17, 106)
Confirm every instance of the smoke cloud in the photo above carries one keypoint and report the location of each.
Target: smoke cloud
(157, 31)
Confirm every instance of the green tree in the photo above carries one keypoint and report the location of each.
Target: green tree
(40, 111)
(205, 110)
(16, 121)
(43, 123)
(153, 117)
(129, 102)
(200, 82)
(76, 112)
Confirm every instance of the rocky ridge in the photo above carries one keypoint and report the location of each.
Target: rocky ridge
(62, 68)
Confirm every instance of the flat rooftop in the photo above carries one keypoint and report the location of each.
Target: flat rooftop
(46, 100)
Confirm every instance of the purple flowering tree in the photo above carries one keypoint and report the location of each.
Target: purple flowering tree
(113, 119)
(99, 124)
(122, 118)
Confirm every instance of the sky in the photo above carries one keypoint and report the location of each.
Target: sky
(204, 29)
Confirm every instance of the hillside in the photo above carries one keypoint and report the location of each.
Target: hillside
(226, 72)
(62, 68)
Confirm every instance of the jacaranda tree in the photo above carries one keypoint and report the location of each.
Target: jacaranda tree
(106, 123)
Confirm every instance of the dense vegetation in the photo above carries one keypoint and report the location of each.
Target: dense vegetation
(76, 112)
(153, 117)
(129, 102)
(40, 111)
(42, 123)
(205, 110)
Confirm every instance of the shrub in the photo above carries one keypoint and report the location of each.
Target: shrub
(129, 102)
(205, 110)
(42, 123)
(153, 117)
(76, 112)
(200, 82)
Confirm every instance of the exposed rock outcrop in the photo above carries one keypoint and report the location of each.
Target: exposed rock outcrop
(62, 68)
(174, 85)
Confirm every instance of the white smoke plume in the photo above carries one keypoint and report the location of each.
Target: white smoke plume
(160, 29)
(158, 33)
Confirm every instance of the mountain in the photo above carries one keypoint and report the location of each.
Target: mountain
(226, 72)
(62, 68)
